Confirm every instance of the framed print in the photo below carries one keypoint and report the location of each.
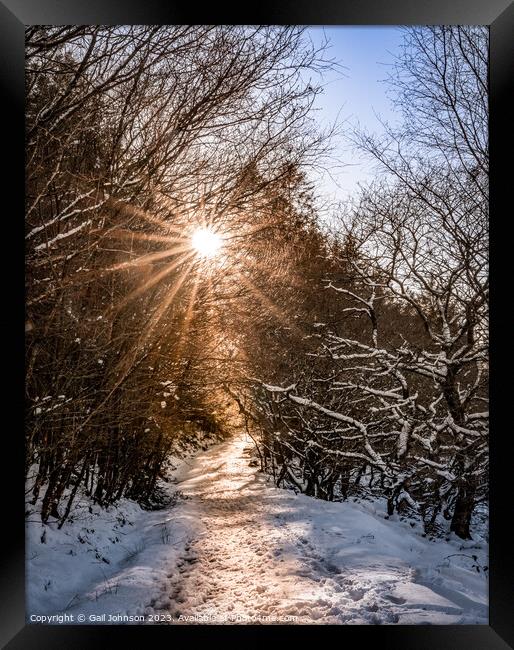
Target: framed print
(258, 361)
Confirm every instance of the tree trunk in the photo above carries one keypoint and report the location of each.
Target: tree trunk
(310, 489)
(464, 506)
(345, 484)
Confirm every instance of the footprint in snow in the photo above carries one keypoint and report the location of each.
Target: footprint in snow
(331, 568)
(356, 594)
(397, 600)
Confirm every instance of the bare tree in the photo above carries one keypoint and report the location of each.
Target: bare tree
(406, 395)
(135, 134)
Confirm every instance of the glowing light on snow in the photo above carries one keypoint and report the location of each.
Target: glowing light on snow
(206, 242)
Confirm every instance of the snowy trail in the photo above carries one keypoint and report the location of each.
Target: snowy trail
(236, 549)
(263, 554)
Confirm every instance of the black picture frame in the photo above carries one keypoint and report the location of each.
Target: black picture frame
(14, 16)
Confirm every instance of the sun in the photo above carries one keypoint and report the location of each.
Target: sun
(206, 242)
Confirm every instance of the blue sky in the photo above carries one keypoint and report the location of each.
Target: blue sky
(356, 94)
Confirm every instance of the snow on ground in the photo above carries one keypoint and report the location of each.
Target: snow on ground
(235, 549)
(115, 555)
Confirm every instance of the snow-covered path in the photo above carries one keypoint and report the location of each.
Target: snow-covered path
(262, 554)
(236, 549)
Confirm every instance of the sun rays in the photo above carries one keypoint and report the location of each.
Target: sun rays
(205, 251)
(166, 303)
(174, 273)
(154, 279)
(190, 258)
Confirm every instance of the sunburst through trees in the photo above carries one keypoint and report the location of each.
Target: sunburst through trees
(179, 274)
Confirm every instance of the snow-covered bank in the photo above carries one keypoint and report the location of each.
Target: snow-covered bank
(236, 549)
(101, 555)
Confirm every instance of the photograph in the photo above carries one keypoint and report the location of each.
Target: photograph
(256, 325)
